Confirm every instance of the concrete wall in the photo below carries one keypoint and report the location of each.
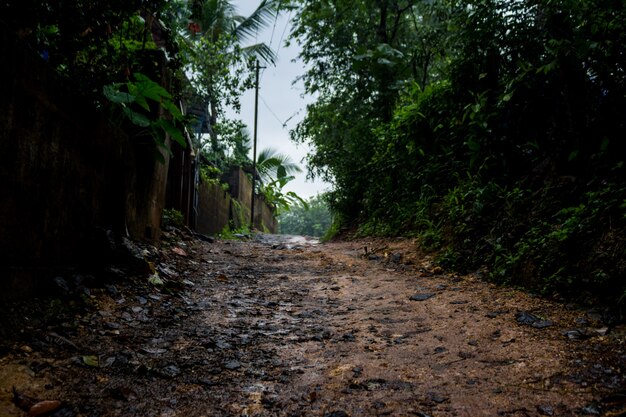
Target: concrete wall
(65, 173)
(218, 208)
(213, 209)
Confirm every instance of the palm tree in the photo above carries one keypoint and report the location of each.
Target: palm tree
(272, 165)
(218, 19)
(275, 171)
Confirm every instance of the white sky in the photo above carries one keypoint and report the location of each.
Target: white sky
(279, 100)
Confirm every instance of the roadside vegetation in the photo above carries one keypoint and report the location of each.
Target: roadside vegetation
(493, 130)
(163, 70)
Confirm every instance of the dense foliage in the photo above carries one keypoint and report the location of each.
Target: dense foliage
(493, 129)
(310, 219)
(143, 59)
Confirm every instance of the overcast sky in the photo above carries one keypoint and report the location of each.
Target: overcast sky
(281, 104)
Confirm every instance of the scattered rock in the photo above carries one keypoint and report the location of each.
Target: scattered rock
(336, 414)
(542, 324)
(170, 371)
(545, 410)
(348, 337)
(421, 297)
(437, 398)
(526, 318)
(232, 365)
(576, 334)
(395, 257)
(592, 409)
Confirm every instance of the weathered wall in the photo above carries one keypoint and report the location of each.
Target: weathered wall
(65, 174)
(217, 207)
(264, 219)
(240, 185)
(213, 209)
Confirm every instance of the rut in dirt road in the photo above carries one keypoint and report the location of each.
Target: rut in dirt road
(282, 326)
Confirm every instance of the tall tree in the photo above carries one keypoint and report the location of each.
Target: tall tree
(358, 55)
(222, 56)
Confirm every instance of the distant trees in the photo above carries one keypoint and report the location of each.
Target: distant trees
(312, 219)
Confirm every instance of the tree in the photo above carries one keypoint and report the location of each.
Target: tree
(492, 128)
(312, 219)
(275, 171)
(219, 57)
(272, 165)
(359, 55)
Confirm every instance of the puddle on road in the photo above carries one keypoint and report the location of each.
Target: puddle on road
(287, 241)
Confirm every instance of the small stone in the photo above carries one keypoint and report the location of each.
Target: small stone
(336, 414)
(591, 410)
(545, 410)
(348, 337)
(421, 297)
(232, 365)
(436, 398)
(170, 371)
(395, 257)
(524, 317)
(542, 324)
(575, 334)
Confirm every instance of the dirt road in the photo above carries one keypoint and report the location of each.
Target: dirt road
(288, 327)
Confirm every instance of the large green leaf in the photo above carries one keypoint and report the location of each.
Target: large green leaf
(112, 93)
(137, 118)
(173, 131)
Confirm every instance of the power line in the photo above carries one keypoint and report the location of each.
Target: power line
(280, 42)
(271, 111)
(282, 123)
(272, 37)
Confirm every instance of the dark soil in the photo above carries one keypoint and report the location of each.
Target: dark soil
(280, 326)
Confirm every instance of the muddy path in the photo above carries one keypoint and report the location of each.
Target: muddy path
(281, 326)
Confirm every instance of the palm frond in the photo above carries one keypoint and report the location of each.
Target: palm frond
(272, 165)
(261, 18)
(261, 51)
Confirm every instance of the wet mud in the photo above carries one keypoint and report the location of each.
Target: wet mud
(286, 326)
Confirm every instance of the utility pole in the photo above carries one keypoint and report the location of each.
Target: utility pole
(256, 115)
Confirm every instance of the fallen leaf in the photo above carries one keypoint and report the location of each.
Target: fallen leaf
(179, 251)
(91, 360)
(43, 407)
(155, 280)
